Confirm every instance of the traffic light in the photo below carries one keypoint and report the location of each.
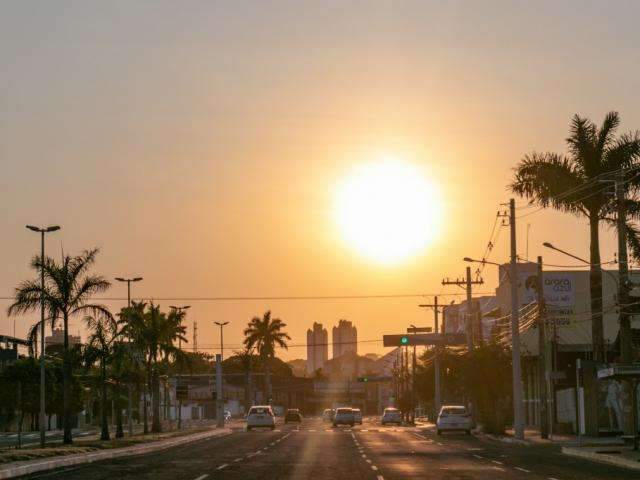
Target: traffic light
(363, 379)
(404, 340)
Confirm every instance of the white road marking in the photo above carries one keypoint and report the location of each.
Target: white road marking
(478, 456)
(364, 456)
(223, 466)
(379, 477)
(312, 430)
(497, 462)
(368, 461)
(522, 469)
(202, 477)
(551, 478)
(273, 443)
(238, 460)
(373, 467)
(439, 443)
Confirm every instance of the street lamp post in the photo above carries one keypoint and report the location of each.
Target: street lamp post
(130, 387)
(220, 383)
(42, 231)
(179, 310)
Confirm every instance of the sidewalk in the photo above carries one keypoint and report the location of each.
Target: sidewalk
(89, 455)
(608, 450)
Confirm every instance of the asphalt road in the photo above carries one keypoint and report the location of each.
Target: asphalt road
(370, 451)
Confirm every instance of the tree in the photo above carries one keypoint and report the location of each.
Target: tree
(573, 183)
(265, 334)
(154, 332)
(100, 348)
(67, 291)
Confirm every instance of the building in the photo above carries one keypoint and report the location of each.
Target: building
(317, 347)
(345, 338)
(57, 338)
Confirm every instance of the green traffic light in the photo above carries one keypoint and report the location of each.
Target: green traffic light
(404, 340)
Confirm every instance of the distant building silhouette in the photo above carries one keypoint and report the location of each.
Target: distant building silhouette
(57, 338)
(345, 339)
(317, 347)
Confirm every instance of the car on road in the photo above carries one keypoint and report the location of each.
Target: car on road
(261, 416)
(293, 415)
(328, 414)
(357, 416)
(454, 418)
(344, 416)
(391, 415)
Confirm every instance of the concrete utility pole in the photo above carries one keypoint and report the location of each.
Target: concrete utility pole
(437, 398)
(518, 417)
(468, 283)
(623, 273)
(221, 390)
(542, 345)
(219, 399)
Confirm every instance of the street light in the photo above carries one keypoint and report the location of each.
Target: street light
(548, 245)
(220, 382)
(42, 231)
(221, 338)
(130, 387)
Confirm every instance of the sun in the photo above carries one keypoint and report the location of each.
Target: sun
(388, 211)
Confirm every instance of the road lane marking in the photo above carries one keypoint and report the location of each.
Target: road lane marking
(368, 461)
(522, 469)
(238, 460)
(497, 462)
(223, 466)
(379, 477)
(478, 456)
(373, 467)
(551, 478)
(364, 456)
(273, 443)
(202, 477)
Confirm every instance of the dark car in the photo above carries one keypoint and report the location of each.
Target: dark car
(293, 415)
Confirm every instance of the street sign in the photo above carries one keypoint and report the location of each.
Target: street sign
(404, 340)
(419, 329)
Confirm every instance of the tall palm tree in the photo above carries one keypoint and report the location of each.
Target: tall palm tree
(154, 333)
(573, 183)
(265, 334)
(100, 347)
(67, 291)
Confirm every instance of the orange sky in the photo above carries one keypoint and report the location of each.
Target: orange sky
(200, 147)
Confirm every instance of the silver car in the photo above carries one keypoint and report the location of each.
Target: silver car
(261, 416)
(454, 418)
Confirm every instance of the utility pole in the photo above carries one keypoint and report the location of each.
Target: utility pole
(219, 400)
(437, 400)
(542, 345)
(518, 417)
(623, 273)
(195, 336)
(468, 283)
(221, 389)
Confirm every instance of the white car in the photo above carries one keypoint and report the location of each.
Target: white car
(344, 416)
(454, 418)
(357, 416)
(261, 416)
(391, 415)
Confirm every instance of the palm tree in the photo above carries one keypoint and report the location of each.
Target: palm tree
(68, 289)
(154, 334)
(573, 183)
(100, 347)
(245, 357)
(265, 334)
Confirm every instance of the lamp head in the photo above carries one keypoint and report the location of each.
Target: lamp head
(548, 245)
(120, 279)
(31, 227)
(53, 228)
(137, 279)
(468, 259)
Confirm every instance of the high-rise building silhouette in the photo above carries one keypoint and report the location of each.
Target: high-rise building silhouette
(317, 347)
(345, 338)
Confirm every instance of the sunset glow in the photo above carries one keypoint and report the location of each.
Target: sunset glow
(388, 211)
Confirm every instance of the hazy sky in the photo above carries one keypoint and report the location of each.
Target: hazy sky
(198, 144)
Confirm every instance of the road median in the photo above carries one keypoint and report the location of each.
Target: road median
(26, 467)
(617, 457)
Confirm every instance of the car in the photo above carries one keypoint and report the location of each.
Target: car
(293, 415)
(328, 415)
(344, 416)
(357, 416)
(261, 416)
(454, 418)
(391, 415)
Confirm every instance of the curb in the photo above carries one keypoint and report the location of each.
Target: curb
(601, 458)
(31, 466)
(504, 439)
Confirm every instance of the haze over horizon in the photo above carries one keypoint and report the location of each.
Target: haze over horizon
(201, 146)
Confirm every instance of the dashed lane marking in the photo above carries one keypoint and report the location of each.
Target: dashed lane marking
(478, 456)
(497, 462)
(379, 477)
(202, 477)
(373, 467)
(223, 466)
(368, 461)
(551, 478)
(238, 459)
(522, 469)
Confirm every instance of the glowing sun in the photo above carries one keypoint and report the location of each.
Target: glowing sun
(388, 211)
